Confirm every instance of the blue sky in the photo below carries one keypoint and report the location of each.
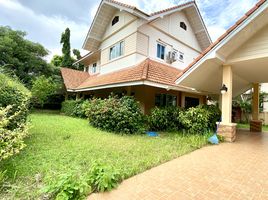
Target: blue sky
(45, 20)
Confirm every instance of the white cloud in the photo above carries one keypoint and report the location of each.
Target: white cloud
(40, 28)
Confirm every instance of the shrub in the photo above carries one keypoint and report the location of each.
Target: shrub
(162, 119)
(14, 101)
(68, 187)
(75, 108)
(120, 115)
(195, 120)
(14, 93)
(103, 178)
(41, 90)
(214, 115)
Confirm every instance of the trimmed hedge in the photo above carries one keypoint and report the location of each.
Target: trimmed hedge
(14, 103)
(119, 115)
(74, 108)
(163, 119)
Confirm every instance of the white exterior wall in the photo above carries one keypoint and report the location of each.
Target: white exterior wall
(156, 36)
(171, 25)
(140, 41)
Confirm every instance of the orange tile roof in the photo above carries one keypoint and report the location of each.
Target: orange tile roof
(230, 30)
(148, 70)
(73, 78)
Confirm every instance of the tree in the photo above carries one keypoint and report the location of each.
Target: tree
(76, 52)
(57, 61)
(66, 49)
(42, 88)
(21, 57)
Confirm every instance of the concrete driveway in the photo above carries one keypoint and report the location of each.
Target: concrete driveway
(227, 171)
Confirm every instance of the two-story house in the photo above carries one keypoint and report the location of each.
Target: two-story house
(140, 54)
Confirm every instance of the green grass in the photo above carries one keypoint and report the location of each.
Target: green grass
(246, 126)
(58, 144)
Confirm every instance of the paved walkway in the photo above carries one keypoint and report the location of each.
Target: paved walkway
(226, 171)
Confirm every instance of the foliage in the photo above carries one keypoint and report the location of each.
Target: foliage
(59, 144)
(75, 108)
(14, 93)
(195, 120)
(57, 61)
(68, 186)
(21, 57)
(214, 115)
(119, 115)
(67, 60)
(166, 118)
(103, 177)
(43, 88)
(76, 52)
(11, 140)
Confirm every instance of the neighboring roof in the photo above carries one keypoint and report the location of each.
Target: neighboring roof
(73, 78)
(148, 70)
(222, 37)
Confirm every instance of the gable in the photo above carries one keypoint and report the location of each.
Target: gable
(170, 24)
(255, 47)
(124, 18)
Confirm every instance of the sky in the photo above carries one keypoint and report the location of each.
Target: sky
(45, 20)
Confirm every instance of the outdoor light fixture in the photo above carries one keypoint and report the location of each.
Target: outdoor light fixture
(224, 89)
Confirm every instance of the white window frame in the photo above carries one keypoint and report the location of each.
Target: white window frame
(162, 45)
(94, 68)
(116, 50)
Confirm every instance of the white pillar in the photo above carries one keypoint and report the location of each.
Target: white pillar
(255, 101)
(227, 79)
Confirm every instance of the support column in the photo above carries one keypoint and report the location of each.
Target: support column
(255, 123)
(129, 91)
(66, 96)
(227, 129)
(77, 97)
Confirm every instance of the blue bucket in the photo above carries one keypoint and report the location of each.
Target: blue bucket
(152, 134)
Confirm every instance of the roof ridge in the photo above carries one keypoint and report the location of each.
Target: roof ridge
(145, 69)
(172, 8)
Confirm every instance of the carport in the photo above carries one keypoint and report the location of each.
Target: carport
(236, 62)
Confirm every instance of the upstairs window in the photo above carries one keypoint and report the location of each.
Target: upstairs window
(181, 56)
(183, 26)
(161, 51)
(115, 20)
(117, 50)
(94, 68)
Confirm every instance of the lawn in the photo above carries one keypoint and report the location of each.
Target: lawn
(58, 144)
(246, 126)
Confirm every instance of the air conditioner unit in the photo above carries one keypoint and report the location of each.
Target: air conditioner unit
(172, 56)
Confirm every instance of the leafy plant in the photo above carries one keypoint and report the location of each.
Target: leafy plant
(75, 108)
(43, 88)
(119, 115)
(195, 120)
(102, 177)
(68, 187)
(166, 118)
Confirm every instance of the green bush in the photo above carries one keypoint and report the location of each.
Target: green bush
(68, 187)
(195, 120)
(14, 102)
(103, 178)
(75, 108)
(14, 93)
(119, 115)
(214, 115)
(162, 119)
